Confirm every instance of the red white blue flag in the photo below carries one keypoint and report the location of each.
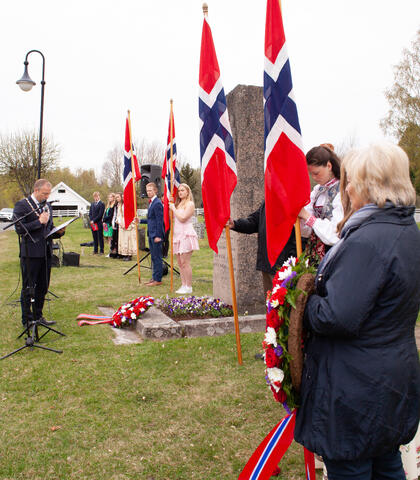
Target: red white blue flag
(129, 200)
(218, 166)
(166, 172)
(287, 187)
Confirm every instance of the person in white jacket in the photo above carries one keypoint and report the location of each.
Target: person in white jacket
(320, 217)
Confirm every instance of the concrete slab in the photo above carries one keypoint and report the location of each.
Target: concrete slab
(154, 324)
(211, 327)
(122, 336)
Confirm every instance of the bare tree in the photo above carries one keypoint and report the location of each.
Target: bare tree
(154, 153)
(349, 143)
(113, 167)
(19, 158)
(149, 152)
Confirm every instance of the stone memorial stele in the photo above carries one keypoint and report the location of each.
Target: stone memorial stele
(246, 115)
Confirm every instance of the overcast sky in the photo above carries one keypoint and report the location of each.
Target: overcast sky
(104, 57)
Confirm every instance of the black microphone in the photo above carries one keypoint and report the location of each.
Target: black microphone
(44, 203)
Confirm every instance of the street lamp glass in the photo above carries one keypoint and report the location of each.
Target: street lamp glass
(25, 86)
(26, 82)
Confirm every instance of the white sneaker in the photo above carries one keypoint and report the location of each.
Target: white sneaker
(181, 290)
(188, 290)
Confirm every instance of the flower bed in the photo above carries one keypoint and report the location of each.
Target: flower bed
(188, 308)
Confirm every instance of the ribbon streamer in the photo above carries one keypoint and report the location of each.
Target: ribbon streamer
(86, 319)
(268, 454)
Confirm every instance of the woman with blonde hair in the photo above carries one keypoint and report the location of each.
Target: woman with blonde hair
(360, 392)
(185, 239)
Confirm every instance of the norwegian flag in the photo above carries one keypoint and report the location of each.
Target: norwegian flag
(287, 186)
(218, 166)
(166, 172)
(129, 200)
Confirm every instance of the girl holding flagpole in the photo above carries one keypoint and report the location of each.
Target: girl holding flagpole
(185, 237)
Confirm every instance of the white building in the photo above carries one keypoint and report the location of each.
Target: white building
(68, 203)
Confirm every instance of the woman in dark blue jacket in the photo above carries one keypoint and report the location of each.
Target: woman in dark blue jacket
(360, 394)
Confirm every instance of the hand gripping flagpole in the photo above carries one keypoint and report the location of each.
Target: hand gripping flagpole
(171, 213)
(133, 178)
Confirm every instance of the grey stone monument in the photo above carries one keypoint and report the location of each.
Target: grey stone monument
(245, 106)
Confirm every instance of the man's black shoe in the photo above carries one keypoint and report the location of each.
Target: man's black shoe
(44, 321)
(259, 356)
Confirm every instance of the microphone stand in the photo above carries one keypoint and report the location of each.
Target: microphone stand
(31, 329)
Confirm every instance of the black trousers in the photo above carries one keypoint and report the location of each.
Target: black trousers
(98, 239)
(36, 274)
(114, 241)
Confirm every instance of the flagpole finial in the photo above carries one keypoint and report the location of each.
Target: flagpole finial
(171, 101)
(205, 9)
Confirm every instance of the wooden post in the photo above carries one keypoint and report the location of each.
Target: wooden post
(133, 178)
(171, 213)
(234, 304)
(298, 238)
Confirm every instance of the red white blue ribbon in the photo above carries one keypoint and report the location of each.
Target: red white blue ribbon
(266, 457)
(87, 319)
(271, 450)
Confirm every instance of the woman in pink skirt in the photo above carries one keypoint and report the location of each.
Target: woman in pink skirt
(185, 238)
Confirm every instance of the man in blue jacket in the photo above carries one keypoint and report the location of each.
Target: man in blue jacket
(96, 212)
(155, 233)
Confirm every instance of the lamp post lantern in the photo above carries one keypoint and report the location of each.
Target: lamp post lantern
(26, 83)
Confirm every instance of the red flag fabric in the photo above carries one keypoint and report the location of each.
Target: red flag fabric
(218, 166)
(287, 187)
(129, 203)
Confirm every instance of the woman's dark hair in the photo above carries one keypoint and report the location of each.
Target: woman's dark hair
(320, 156)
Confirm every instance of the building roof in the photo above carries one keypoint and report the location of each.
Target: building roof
(68, 190)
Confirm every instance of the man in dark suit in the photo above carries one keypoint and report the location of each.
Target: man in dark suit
(35, 249)
(255, 223)
(96, 212)
(155, 233)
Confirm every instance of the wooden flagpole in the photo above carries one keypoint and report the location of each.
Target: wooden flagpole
(298, 238)
(232, 276)
(171, 213)
(234, 304)
(133, 178)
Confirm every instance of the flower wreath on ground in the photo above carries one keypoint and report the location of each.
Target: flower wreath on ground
(128, 313)
(280, 300)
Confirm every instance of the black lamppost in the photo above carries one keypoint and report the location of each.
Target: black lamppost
(26, 83)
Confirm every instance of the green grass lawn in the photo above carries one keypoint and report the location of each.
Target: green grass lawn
(183, 409)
